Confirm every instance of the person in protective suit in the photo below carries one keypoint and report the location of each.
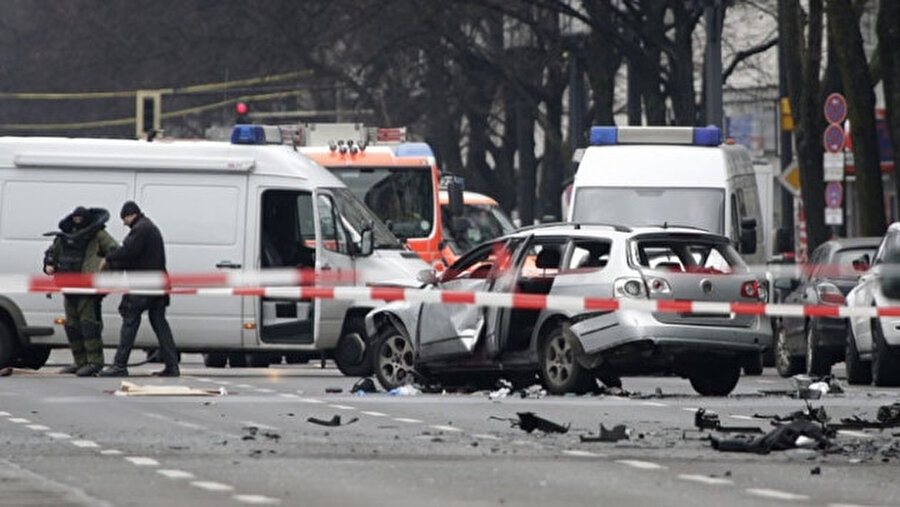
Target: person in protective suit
(79, 247)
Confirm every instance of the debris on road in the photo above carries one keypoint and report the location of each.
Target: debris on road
(364, 385)
(618, 432)
(132, 389)
(334, 421)
(253, 431)
(797, 433)
(334, 390)
(405, 390)
(709, 420)
(529, 422)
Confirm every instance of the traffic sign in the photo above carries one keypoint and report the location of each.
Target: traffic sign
(833, 165)
(834, 216)
(790, 178)
(834, 138)
(835, 108)
(834, 194)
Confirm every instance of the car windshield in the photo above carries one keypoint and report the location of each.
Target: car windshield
(686, 254)
(402, 197)
(843, 262)
(355, 216)
(484, 222)
(697, 207)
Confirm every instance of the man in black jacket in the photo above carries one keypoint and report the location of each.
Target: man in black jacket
(142, 250)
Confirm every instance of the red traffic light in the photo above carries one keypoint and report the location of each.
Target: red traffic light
(241, 108)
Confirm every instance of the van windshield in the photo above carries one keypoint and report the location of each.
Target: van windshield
(636, 206)
(484, 222)
(355, 217)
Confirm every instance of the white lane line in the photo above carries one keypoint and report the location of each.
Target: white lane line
(142, 461)
(85, 444)
(204, 379)
(408, 420)
(373, 414)
(18, 420)
(223, 382)
(341, 407)
(704, 479)
(444, 428)
(689, 409)
(244, 386)
(5, 414)
(256, 499)
(38, 427)
(311, 400)
(59, 436)
(264, 390)
(192, 426)
(743, 417)
(288, 395)
(485, 436)
(643, 465)
(111, 452)
(212, 486)
(654, 404)
(857, 434)
(777, 495)
(582, 454)
(175, 474)
(259, 425)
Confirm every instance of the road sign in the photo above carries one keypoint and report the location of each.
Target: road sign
(833, 164)
(835, 108)
(834, 216)
(834, 194)
(790, 179)
(834, 139)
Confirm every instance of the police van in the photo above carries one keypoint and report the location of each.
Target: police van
(682, 176)
(251, 203)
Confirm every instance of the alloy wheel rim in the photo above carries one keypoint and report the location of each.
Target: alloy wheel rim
(396, 360)
(784, 356)
(560, 360)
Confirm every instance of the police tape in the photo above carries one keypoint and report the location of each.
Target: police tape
(518, 300)
(157, 280)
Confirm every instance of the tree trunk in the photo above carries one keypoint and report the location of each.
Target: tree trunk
(681, 84)
(889, 46)
(851, 57)
(604, 60)
(651, 65)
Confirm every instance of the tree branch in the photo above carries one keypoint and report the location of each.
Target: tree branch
(747, 53)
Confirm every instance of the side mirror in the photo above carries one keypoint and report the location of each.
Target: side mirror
(748, 236)
(366, 242)
(427, 276)
(455, 195)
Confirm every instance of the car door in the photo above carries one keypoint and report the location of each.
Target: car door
(332, 255)
(452, 330)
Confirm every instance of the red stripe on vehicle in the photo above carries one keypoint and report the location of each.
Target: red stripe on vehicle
(457, 297)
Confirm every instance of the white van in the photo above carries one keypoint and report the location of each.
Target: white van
(253, 203)
(671, 176)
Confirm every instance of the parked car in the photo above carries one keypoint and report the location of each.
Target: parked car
(873, 348)
(814, 344)
(570, 350)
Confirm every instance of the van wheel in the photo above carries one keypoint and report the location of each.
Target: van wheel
(353, 355)
(215, 359)
(859, 372)
(237, 359)
(8, 346)
(296, 358)
(34, 357)
(394, 358)
(753, 364)
(817, 362)
(885, 363)
(786, 363)
(559, 368)
(718, 380)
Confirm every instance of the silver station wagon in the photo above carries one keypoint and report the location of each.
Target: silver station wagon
(571, 350)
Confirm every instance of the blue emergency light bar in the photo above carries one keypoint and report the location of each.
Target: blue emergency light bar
(256, 134)
(414, 150)
(697, 136)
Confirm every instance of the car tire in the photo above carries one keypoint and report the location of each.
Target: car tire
(215, 359)
(753, 364)
(716, 381)
(353, 354)
(817, 361)
(559, 369)
(885, 361)
(786, 363)
(237, 359)
(393, 358)
(859, 372)
(33, 357)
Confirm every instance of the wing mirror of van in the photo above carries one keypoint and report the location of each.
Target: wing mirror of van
(748, 236)
(366, 242)
(427, 276)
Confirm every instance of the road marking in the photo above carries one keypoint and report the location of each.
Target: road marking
(264, 390)
(60, 436)
(777, 495)
(643, 465)
(256, 499)
(857, 434)
(244, 386)
(259, 425)
(111, 452)
(582, 454)
(85, 443)
(175, 474)
(203, 379)
(704, 479)
(38, 427)
(408, 420)
(743, 417)
(444, 428)
(142, 461)
(310, 400)
(484, 436)
(373, 414)
(212, 486)
(5, 414)
(18, 420)
(654, 404)
(192, 426)
(688, 409)
(223, 382)
(342, 407)
(288, 395)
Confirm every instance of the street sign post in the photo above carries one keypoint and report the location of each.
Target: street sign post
(834, 138)
(790, 179)
(835, 108)
(834, 194)
(833, 165)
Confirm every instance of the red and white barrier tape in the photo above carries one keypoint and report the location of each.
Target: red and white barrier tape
(522, 301)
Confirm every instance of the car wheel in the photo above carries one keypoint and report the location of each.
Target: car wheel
(719, 380)
(858, 371)
(394, 358)
(559, 368)
(786, 363)
(353, 354)
(34, 357)
(885, 364)
(237, 360)
(753, 364)
(817, 362)
(215, 359)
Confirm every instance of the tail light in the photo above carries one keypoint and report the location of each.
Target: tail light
(829, 294)
(630, 287)
(750, 289)
(658, 286)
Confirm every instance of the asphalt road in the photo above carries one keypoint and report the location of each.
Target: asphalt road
(70, 441)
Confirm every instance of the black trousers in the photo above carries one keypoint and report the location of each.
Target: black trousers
(131, 309)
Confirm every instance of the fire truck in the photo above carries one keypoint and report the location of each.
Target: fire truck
(395, 178)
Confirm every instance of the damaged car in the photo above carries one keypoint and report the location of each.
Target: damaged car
(570, 350)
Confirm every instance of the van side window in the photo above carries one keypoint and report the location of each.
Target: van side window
(286, 228)
(334, 237)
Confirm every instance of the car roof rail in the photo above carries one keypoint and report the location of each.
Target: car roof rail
(575, 225)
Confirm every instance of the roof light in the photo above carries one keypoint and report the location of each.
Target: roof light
(414, 150)
(248, 134)
(698, 136)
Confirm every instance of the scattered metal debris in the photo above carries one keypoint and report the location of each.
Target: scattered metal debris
(364, 385)
(334, 421)
(529, 422)
(333, 390)
(618, 432)
(797, 433)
